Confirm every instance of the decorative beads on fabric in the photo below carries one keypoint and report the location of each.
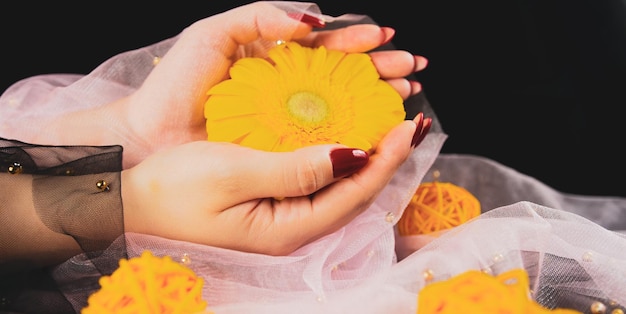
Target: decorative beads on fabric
(390, 217)
(428, 275)
(597, 308)
(103, 185)
(588, 257)
(15, 168)
(185, 259)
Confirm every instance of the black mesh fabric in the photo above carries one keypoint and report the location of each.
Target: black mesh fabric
(68, 201)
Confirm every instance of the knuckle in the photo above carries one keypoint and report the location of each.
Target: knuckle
(307, 178)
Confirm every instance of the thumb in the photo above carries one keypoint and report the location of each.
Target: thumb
(204, 51)
(221, 35)
(262, 20)
(304, 171)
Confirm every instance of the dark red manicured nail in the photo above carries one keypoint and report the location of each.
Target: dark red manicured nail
(389, 33)
(308, 19)
(347, 161)
(425, 128)
(416, 87)
(420, 63)
(418, 129)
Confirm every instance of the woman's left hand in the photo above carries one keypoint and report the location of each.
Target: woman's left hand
(167, 109)
(234, 197)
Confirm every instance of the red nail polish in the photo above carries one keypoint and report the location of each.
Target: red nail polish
(418, 129)
(416, 87)
(308, 19)
(425, 128)
(347, 161)
(420, 63)
(388, 32)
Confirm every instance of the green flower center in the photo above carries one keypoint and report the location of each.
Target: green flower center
(307, 107)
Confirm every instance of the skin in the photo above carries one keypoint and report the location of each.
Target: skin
(240, 214)
(179, 186)
(172, 97)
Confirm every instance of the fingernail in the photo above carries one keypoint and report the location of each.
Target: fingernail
(416, 87)
(388, 32)
(418, 129)
(347, 161)
(420, 63)
(425, 128)
(308, 19)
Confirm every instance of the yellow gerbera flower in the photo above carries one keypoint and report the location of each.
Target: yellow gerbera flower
(303, 96)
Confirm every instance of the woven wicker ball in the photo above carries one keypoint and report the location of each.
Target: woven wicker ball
(437, 206)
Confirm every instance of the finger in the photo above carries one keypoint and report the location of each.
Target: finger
(405, 87)
(298, 173)
(353, 38)
(205, 50)
(248, 23)
(397, 63)
(342, 201)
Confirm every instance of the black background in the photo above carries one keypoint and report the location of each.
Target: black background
(537, 85)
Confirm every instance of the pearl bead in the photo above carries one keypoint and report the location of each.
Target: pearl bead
(598, 308)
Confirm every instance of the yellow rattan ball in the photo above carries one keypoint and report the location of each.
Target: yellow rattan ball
(437, 206)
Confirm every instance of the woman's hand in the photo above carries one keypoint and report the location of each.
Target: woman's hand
(234, 197)
(167, 110)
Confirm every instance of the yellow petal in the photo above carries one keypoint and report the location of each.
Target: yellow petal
(303, 96)
(231, 130)
(261, 138)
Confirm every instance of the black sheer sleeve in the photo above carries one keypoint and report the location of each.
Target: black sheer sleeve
(57, 203)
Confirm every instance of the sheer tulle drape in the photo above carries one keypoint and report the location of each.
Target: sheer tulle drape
(567, 243)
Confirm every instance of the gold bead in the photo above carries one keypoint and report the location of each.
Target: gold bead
(617, 311)
(428, 275)
(390, 217)
(597, 308)
(156, 60)
(102, 185)
(15, 168)
(185, 259)
(498, 258)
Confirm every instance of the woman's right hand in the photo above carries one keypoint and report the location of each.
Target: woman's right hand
(235, 197)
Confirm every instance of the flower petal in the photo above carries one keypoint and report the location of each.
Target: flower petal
(303, 96)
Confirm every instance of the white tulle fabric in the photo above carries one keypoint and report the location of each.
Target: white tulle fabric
(366, 267)
(356, 270)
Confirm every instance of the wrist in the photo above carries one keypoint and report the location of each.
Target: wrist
(127, 201)
(83, 127)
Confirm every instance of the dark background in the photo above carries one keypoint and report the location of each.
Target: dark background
(537, 85)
